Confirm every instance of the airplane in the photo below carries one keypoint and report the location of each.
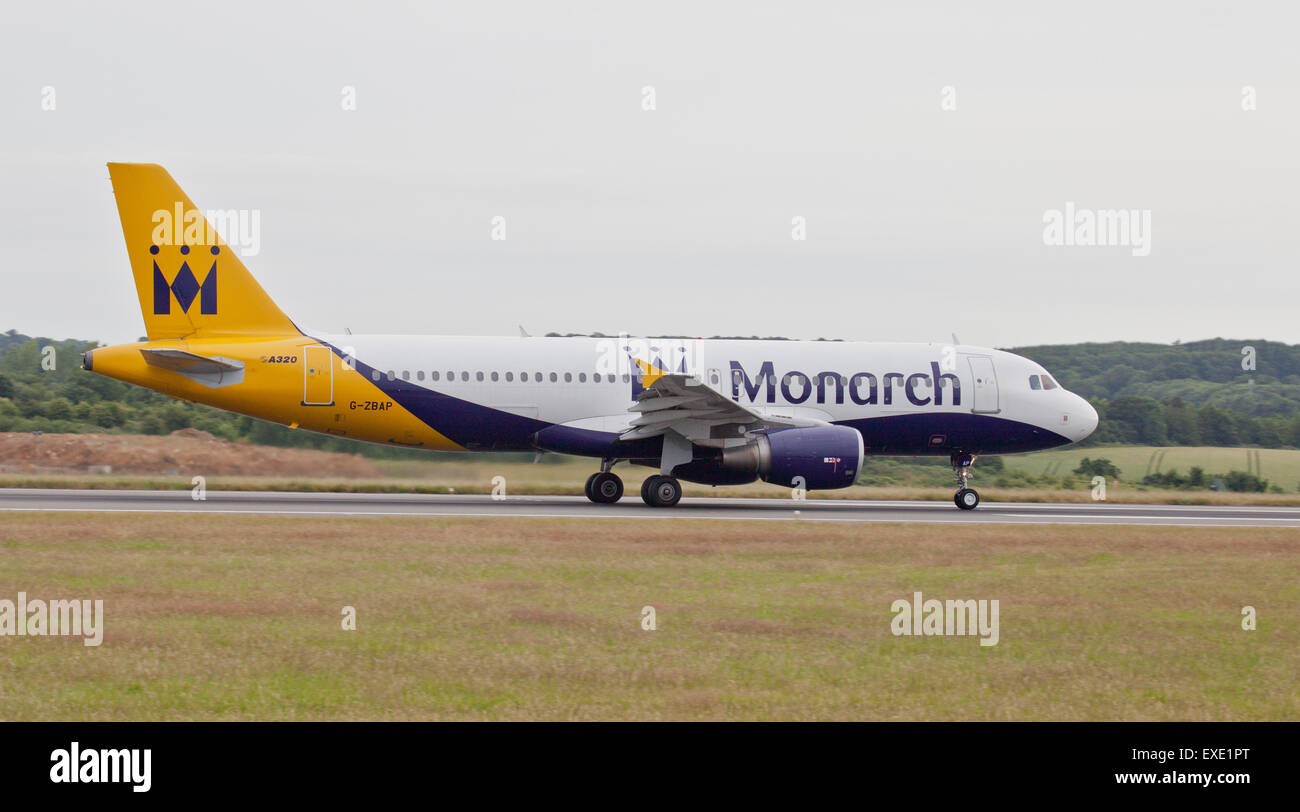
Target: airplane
(800, 414)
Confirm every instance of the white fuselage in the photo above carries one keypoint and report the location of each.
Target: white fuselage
(475, 389)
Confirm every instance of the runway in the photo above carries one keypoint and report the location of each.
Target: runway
(631, 507)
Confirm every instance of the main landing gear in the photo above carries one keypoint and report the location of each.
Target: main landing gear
(605, 488)
(661, 491)
(965, 498)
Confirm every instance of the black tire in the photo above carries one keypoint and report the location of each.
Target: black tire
(966, 499)
(606, 489)
(649, 483)
(661, 491)
(587, 488)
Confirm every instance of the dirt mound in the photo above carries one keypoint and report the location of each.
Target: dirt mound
(187, 451)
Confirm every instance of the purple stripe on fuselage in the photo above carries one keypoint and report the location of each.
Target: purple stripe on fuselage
(479, 427)
(464, 423)
(910, 434)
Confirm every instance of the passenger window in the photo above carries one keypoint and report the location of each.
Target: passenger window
(510, 376)
(568, 377)
(464, 376)
(582, 377)
(419, 375)
(478, 376)
(1033, 382)
(406, 375)
(391, 375)
(375, 375)
(494, 377)
(627, 379)
(433, 375)
(451, 376)
(537, 376)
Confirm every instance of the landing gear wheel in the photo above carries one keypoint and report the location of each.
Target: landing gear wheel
(604, 488)
(661, 491)
(965, 498)
(586, 489)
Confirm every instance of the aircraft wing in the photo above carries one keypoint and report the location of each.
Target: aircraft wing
(687, 406)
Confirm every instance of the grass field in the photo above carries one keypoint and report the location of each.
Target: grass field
(567, 475)
(225, 617)
(1279, 466)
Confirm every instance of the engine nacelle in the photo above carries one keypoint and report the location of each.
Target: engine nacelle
(825, 457)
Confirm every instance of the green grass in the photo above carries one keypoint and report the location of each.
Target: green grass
(239, 618)
(891, 478)
(1279, 466)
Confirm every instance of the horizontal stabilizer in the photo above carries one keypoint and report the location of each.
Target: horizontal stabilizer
(210, 371)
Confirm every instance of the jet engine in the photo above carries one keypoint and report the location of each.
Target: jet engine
(825, 457)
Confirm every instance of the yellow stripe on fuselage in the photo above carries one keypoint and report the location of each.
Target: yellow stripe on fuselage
(276, 384)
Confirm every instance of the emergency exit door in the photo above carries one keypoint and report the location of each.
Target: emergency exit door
(317, 376)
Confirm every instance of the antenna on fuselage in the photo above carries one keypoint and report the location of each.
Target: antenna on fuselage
(955, 340)
(522, 332)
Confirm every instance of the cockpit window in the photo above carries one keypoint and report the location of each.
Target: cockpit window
(1048, 383)
(1034, 383)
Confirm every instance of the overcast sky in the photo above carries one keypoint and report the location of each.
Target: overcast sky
(920, 221)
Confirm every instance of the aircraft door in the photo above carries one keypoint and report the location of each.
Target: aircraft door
(318, 376)
(985, 379)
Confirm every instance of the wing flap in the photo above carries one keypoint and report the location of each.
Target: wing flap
(683, 404)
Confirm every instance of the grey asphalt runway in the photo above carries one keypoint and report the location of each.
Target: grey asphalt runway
(817, 510)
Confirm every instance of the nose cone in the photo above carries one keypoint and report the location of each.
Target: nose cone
(1083, 419)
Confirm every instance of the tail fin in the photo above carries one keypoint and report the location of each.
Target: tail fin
(189, 281)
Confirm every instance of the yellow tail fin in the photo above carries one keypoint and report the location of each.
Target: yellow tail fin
(189, 281)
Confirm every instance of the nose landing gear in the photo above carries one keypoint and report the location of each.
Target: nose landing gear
(965, 498)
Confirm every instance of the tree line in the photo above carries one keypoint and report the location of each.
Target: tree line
(1199, 393)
